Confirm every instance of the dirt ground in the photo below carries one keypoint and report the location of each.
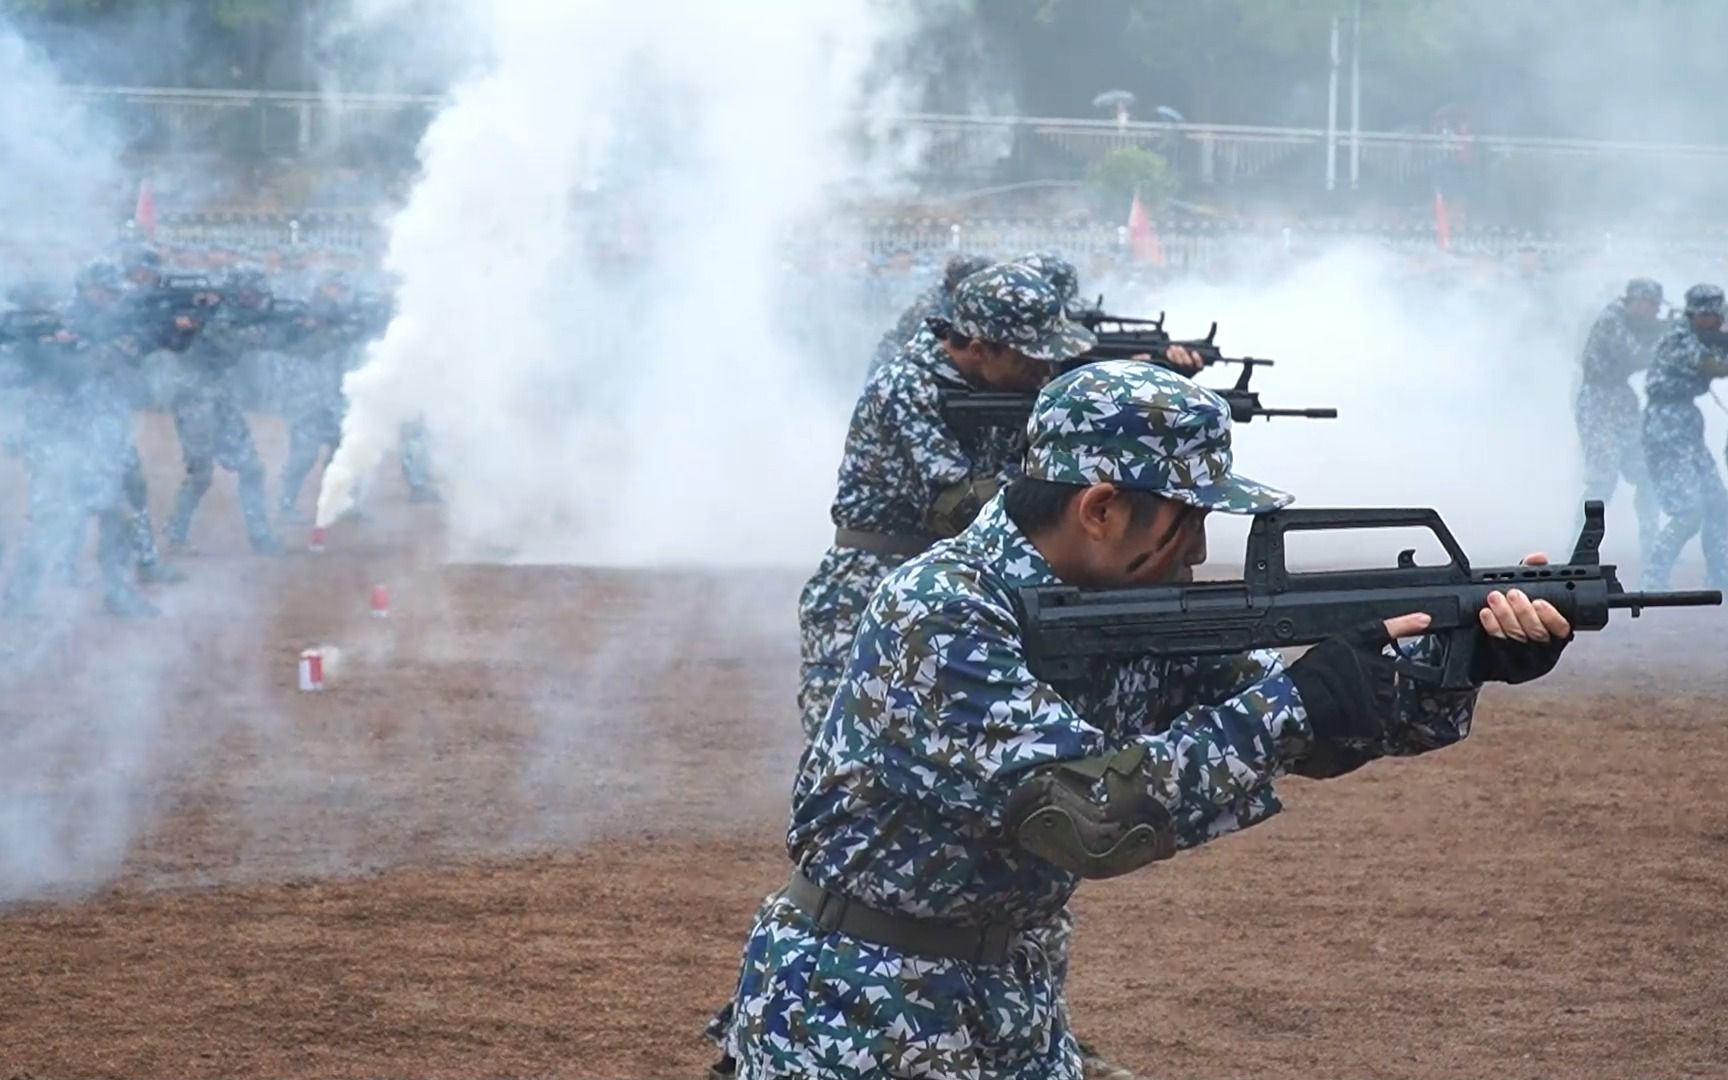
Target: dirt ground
(524, 830)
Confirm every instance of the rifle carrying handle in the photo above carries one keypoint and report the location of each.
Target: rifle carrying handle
(1266, 570)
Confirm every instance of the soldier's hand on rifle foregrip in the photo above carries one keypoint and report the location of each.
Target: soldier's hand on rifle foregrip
(1511, 615)
(1524, 640)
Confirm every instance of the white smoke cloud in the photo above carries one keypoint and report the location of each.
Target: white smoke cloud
(1454, 391)
(647, 409)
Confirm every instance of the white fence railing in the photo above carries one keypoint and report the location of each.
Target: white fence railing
(285, 121)
(1183, 244)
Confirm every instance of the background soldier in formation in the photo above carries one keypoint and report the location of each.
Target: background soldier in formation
(79, 373)
(310, 387)
(1618, 347)
(1681, 466)
(936, 302)
(207, 416)
(906, 479)
(78, 448)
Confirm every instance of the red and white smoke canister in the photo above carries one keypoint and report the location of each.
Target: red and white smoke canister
(317, 543)
(311, 670)
(380, 602)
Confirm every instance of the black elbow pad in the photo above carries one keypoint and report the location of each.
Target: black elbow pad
(1059, 815)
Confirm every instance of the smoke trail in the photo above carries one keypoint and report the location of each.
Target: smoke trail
(591, 273)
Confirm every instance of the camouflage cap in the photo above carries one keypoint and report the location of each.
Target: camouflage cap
(1139, 426)
(961, 267)
(1057, 271)
(1643, 288)
(1704, 300)
(1010, 304)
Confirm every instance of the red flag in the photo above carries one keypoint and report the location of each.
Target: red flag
(144, 215)
(1442, 223)
(1142, 237)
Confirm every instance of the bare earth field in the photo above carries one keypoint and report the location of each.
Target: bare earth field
(524, 830)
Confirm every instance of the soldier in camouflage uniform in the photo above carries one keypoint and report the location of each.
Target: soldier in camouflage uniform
(1607, 409)
(212, 429)
(1680, 463)
(98, 315)
(312, 400)
(907, 479)
(1059, 272)
(78, 445)
(901, 946)
(416, 460)
(935, 302)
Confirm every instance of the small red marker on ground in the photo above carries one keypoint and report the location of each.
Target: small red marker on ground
(311, 670)
(380, 603)
(317, 543)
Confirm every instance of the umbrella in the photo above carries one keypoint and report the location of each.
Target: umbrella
(1118, 100)
(1170, 114)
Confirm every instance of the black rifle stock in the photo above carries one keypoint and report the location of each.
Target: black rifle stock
(1068, 629)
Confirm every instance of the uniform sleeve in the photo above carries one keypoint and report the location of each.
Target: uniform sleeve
(964, 717)
(915, 416)
(1422, 719)
(1605, 357)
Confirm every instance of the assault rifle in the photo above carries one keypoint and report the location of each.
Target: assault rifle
(1123, 337)
(1067, 629)
(28, 326)
(171, 315)
(971, 410)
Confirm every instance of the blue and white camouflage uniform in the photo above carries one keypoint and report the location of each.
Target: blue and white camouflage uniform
(212, 429)
(906, 475)
(1607, 409)
(1681, 466)
(935, 302)
(901, 803)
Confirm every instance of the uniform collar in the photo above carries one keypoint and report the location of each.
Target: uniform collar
(995, 536)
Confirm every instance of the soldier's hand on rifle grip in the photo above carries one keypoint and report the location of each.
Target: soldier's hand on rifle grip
(1524, 639)
(1347, 683)
(1182, 359)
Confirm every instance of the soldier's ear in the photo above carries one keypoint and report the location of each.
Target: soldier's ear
(1101, 511)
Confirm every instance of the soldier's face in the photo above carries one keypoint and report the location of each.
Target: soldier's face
(1131, 541)
(1705, 320)
(1642, 308)
(1000, 367)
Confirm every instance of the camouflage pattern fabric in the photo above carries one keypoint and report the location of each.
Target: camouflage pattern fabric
(213, 430)
(1143, 427)
(931, 302)
(936, 301)
(900, 804)
(311, 401)
(1014, 304)
(900, 456)
(1059, 272)
(1607, 412)
(1683, 470)
(77, 444)
(901, 798)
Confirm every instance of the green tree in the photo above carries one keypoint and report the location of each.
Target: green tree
(1114, 180)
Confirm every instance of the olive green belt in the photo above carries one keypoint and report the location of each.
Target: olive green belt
(987, 945)
(879, 543)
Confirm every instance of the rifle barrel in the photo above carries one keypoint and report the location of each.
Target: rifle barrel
(1681, 598)
(1306, 414)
